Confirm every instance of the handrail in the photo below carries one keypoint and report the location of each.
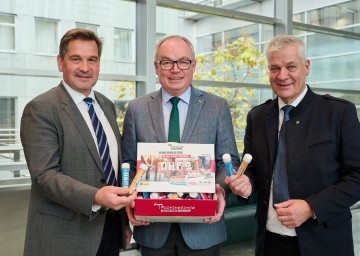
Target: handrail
(12, 166)
(23, 183)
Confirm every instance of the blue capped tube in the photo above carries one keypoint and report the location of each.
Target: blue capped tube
(125, 168)
(227, 160)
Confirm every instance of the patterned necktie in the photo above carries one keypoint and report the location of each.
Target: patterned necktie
(280, 182)
(174, 126)
(102, 144)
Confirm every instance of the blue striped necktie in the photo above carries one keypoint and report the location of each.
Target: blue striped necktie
(102, 144)
(280, 182)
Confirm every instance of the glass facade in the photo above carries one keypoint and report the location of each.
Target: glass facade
(229, 37)
(123, 44)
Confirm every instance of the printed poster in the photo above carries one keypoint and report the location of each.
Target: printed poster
(177, 167)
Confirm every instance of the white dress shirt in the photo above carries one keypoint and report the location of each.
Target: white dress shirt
(272, 223)
(183, 107)
(78, 98)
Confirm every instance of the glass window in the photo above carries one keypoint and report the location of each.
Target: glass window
(335, 16)
(334, 61)
(203, 44)
(7, 113)
(322, 45)
(232, 35)
(46, 36)
(7, 32)
(123, 44)
(209, 43)
(299, 17)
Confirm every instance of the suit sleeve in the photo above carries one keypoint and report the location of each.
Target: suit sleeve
(129, 141)
(225, 143)
(42, 136)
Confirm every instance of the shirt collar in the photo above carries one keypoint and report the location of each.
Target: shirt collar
(185, 97)
(77, 97)
(296, 101)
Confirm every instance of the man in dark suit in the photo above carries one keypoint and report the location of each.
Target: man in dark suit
(322, 141)
(72, 210)
(205, 119)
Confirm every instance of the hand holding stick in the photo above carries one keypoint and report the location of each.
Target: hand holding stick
(244, 163)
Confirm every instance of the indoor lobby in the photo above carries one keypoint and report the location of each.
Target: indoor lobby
(229, 38)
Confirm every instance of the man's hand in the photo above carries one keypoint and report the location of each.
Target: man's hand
(113, 197)
(293, 213)
(239, 186)
(131, 216)
(220, 205)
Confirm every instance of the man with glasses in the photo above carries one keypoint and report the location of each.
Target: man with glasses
(203, 118)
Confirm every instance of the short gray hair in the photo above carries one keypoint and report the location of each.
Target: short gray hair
(187, 41)
(280, 42)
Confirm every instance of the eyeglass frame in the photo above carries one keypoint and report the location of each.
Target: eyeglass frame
(173, 63)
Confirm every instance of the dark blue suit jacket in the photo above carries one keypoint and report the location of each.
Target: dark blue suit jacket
(323, 149)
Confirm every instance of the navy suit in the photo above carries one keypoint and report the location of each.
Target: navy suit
(323, 149)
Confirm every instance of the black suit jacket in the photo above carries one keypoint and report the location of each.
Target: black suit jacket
(323, 149)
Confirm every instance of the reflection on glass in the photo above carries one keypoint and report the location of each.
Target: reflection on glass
(245, 31)
(338, 16)
(123, 44)
(334, 61)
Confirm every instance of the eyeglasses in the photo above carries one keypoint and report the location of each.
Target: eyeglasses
(169, 64)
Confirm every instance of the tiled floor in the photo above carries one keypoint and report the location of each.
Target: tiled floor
(244, 248)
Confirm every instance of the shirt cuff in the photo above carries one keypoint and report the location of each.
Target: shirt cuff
(95, 208)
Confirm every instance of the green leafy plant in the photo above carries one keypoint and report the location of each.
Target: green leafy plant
(124, 90)
(238, 62)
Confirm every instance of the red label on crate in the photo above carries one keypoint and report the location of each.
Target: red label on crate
(175, 207)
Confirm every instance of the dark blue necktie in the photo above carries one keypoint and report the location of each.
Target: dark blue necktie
(102, 144)
(174, 126)
(280, 182)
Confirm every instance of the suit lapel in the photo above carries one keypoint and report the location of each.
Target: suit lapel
(156, 115)
(195, 106)
(78, 121)
(107, 109)
(272, 123)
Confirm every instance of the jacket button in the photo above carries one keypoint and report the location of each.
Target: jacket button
(265, 202)
(103, 181)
